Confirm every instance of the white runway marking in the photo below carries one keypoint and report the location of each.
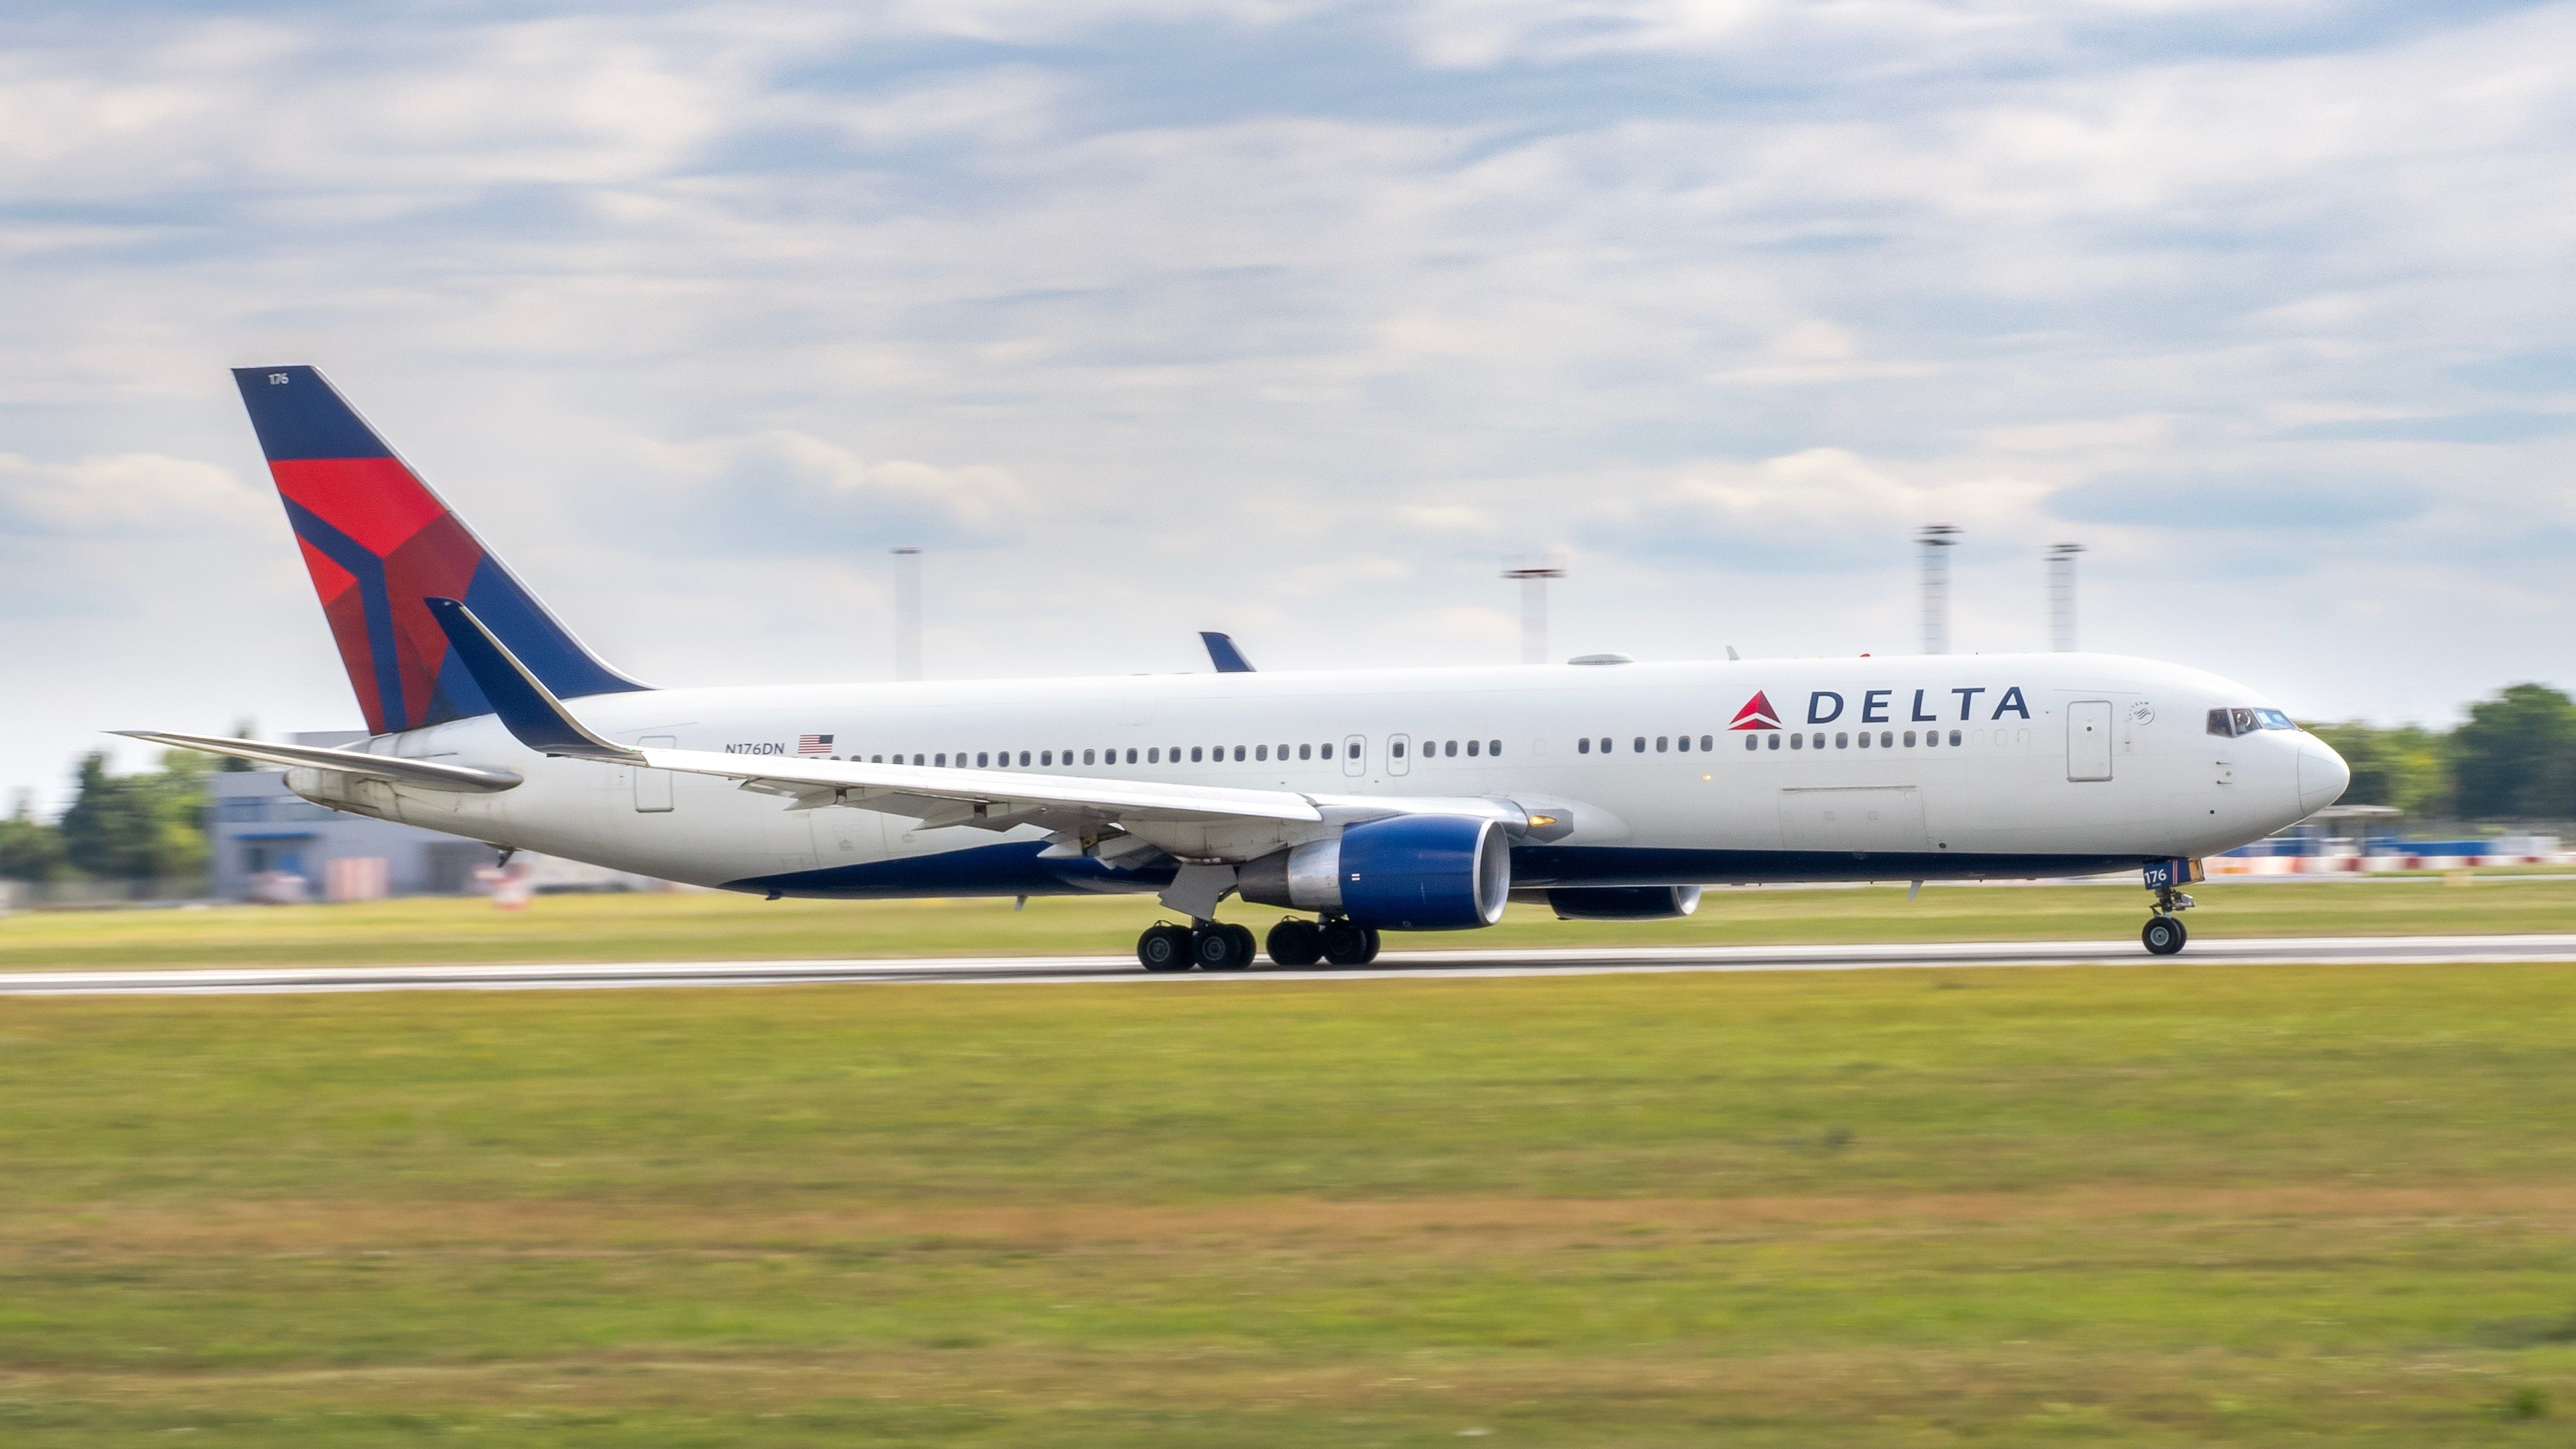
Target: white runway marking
(1406, 965)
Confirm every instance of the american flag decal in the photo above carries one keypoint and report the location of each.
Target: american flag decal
(813, 744)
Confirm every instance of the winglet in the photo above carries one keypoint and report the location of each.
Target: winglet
(533, 714)
(1223, 654)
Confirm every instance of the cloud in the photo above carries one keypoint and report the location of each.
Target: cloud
(790, 493)
(1304, 315)
(1803, 510)
(123, 495)
(2232, 501)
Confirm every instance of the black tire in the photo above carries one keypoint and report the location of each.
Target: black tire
(1164, 948)
(1371, 933)
(2164, 935)
(1247, 943)
(1222, 948)
(1296, 943)
(1347, 943)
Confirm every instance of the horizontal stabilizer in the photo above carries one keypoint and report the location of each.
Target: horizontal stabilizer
(428, 774)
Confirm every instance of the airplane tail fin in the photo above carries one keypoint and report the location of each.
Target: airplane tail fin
(378, 544)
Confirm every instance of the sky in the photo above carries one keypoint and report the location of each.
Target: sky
(1300, 321)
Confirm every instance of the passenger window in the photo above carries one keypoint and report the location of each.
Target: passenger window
(1238, 752)
(1820, 739)
(1154, 756)
(1706, 743)
(1663, 744)
(1451, 749)
(1131, 756)
(942, 762)
(1328, 751)
(1493, 747)
(1395, 748)
(1775, 741)
(1753, 742)
(1843, 741)
(1799, 742)
(1682, 743)
(1197, 754)
(1909, 739)
(1641, 744)
(1473, 746)
(1261, 752)
(1024, 759)
(1305, 752)
(980, 760)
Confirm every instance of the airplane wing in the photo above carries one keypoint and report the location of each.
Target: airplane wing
(997, 799)
(428, 774)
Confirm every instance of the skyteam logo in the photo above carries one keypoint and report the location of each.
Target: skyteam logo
(1757, 714)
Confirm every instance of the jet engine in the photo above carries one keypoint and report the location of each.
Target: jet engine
(1410, 873)
(1623, 903)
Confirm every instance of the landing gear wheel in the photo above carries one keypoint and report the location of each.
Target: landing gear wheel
(1221, 948)
(1164, 948)
(1248, 948)
(2164, 935)
(1296, 943)
(1347, 943)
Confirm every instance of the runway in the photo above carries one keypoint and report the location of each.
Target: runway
(1395, 966)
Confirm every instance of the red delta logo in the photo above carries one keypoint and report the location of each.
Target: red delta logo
(1757, 714)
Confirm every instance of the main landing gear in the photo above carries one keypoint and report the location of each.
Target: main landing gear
(2165, 933)
(1214, 946)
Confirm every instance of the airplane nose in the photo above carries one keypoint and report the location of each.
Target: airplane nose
(2322, 774)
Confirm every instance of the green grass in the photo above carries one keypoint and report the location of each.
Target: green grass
(2154, 1206)
(700, 926)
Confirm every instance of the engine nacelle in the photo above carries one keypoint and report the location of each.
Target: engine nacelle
(1623, 903)
(1411, 873)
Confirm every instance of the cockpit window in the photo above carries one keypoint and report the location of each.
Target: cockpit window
(2230, 722)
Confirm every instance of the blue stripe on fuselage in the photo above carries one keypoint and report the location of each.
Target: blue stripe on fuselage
(1014, 869)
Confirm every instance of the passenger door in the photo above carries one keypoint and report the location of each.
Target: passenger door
(1399, 754)
(2088, 740)
(1355, 755)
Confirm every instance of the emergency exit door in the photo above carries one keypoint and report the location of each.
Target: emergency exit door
(653, 787)
(2088, 740)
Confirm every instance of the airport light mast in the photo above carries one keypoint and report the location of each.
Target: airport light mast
(2061, 596)
(1533, 580)
(907, 612)
(1937, 539)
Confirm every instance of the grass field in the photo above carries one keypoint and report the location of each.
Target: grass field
(2154, 1206)
(727, 927)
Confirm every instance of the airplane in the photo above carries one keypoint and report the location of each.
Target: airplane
(1363, 801)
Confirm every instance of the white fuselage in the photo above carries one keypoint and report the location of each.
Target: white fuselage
(1973, 765)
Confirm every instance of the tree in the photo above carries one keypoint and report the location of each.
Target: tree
(2405, 767)
(138, 827)
(2515, 757)
(29, 848)
(235, 764)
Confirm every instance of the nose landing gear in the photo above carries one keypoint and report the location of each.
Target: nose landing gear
(2164, 933)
